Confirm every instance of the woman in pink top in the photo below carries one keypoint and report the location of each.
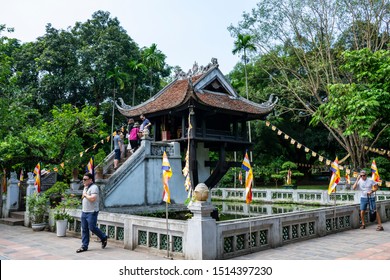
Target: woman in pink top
(133, 137)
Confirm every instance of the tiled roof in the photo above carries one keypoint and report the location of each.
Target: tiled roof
(170, 97)
(181, 90)
(224, 101)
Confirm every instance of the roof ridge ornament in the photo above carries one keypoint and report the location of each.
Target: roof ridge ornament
(123, 104)
(196, 70)
(271, 102)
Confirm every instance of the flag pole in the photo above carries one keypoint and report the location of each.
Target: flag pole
(166, 219)
(334, 207)
(40, 179)
(250, 228)
(93, 169)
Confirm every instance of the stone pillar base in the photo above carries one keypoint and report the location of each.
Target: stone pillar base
(201, 233)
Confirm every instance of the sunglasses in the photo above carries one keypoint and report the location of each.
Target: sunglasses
(85, 179)
(364, 175)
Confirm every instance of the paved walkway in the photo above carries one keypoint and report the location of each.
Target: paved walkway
(21, 243)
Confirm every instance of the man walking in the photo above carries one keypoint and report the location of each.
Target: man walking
(367, 189)
(89, 214)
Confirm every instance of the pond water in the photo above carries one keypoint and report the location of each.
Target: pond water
(235, 210)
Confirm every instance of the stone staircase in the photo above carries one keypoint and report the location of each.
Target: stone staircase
(111, 171)
(16, 219)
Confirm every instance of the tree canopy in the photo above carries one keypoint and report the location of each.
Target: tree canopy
(57, 93)
(308, 55)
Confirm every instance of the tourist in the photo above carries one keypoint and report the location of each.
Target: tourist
(122, 144)
(130, 124)
(368, 187)
(89, 214)
(144, 129)
(117, 148)
(133, 137)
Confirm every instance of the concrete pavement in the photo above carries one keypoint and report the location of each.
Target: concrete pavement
(21, 243)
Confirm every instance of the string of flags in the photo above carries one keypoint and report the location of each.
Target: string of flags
(81, 154)
(334, 166)
(301, 146)
(39, 171)
(315, 154)
(378, 151)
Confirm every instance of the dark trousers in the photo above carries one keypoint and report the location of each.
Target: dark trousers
(89, 223)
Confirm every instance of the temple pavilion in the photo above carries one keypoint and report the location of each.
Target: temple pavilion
(201, 110)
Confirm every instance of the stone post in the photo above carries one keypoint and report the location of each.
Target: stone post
(75, 182)
(12, 193)
(30, 190)
(201, 241)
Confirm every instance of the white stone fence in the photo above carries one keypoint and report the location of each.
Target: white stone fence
(202, 237)
(315, 197)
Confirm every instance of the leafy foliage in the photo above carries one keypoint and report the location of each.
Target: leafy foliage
(37, 207)
(299, 59)
(69, 201)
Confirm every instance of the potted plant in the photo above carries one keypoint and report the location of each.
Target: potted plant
(61, 216)
(56, 192)
(36, 206)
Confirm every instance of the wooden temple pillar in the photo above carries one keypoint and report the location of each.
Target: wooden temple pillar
(193, 161)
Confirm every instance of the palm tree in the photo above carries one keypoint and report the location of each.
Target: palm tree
(118, 76)
(154, 60)
(243, 44)
(136, 68)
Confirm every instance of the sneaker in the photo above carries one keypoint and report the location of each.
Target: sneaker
(104, 243)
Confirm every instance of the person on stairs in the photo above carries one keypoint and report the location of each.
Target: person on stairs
(117, 148)
(133, 138)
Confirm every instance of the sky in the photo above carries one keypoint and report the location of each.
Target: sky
(186, 31)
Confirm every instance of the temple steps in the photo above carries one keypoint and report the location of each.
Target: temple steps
(16, 218)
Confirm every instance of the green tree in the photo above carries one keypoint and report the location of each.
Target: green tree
(70, 131)
(118, 77)
(154, 60)
(244, 43)
(137, 70)
(103, 45)
(355, 109)
(300, 42)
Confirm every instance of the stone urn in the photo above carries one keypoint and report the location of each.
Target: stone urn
(201, 192)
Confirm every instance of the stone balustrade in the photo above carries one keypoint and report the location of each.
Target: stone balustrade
(227, 239)
(317, 197)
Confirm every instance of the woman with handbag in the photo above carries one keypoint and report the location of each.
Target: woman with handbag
(133, 137)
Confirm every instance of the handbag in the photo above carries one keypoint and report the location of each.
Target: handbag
(129, 146)
(371, 210)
